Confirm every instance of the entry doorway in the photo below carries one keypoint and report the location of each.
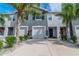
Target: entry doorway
(53, 32)
(63, 32)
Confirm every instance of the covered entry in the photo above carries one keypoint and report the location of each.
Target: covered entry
(38, 32)
(52, 32)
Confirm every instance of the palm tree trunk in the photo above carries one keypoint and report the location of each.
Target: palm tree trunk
(17, 29)
(71, 30)
(67, 32)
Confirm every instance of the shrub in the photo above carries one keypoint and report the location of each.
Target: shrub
(63, 37)
(10, 40)
(1, 44)
(23, 38)
(74, 39)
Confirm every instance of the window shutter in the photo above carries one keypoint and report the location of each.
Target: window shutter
(33, 17)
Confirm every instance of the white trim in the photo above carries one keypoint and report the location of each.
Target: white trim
(39, 26)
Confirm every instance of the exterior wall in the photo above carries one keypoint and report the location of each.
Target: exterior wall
(8, 23)
(56, 21)
(25, 26)
(37, 22)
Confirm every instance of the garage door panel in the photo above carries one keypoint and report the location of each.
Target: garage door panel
(23, 31)
(77, 33)
(38, 32)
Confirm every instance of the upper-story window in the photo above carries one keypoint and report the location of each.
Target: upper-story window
(38, 16)
(50, 17)
(13, 19)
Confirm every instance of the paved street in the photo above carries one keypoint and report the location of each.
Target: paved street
(45, 48)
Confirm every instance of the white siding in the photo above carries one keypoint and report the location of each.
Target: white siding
(56, 21)
(9, 21)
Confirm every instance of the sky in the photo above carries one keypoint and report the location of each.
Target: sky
(51, 7)
(55, 7)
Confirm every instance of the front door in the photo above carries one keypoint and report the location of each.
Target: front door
(50, 32)
(53, 32)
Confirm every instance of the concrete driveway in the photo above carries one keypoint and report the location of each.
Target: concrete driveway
(45, 48)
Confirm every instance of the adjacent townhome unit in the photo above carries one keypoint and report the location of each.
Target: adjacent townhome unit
(55, 25)
(8, 27)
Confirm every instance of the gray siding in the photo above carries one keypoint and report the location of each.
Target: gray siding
(30, 22)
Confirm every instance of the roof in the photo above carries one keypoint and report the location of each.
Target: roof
(6, 8)
(45, 6)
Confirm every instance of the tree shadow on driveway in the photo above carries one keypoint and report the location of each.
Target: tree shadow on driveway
(64, 43)
(53, 42)
(35, 41)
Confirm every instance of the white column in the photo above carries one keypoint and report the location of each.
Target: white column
(58, 33)
(68, 33)
(14, 31)
(6, 31)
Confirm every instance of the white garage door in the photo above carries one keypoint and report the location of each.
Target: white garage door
(38, 32)
(23, 31)
(77, 33)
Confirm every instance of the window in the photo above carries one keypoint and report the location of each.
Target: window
(10, 31)
(50, 17)
(1, 30)
(13, 19)
(77, 27)
(39, 17)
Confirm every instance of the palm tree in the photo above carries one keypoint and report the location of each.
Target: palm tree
(2, 18)
(22, 8)
(68, 13)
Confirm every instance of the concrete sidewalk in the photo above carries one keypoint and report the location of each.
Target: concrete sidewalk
(44, 48)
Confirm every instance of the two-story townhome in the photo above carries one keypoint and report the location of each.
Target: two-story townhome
(34, 26)
(55, 25)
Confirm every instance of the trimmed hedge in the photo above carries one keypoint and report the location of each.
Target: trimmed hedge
(10, 40)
